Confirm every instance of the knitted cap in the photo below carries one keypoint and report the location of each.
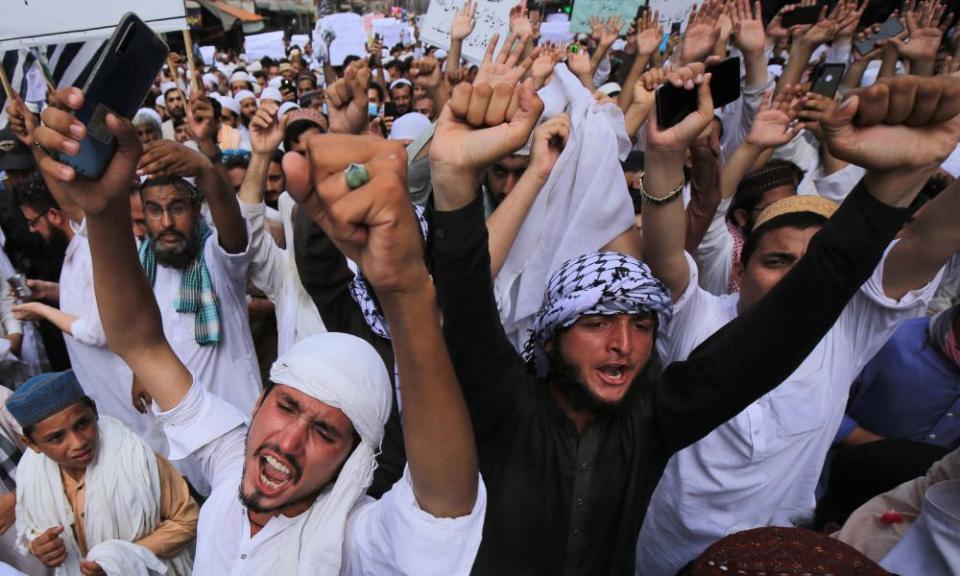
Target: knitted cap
(795, 204)
(43, 396)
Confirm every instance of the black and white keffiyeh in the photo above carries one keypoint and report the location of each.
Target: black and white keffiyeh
(362, 292)
(603, 283)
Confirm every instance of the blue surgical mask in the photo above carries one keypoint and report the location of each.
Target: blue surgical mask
(373, 109)
(325, 108)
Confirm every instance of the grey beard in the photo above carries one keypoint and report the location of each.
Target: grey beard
(179, 258)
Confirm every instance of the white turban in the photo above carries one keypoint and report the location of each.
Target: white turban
(345, 372)
(210, 81)
(409, 126)
(275, 82)
(230, 104)
(271, 94)
(243, 95)
(287, 107)
(147, 115)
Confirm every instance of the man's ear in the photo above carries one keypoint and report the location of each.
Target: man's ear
(30, 443)
(56, 217)
(740, 217)
(737, 272)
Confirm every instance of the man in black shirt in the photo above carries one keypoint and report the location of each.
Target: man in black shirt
(569, 481)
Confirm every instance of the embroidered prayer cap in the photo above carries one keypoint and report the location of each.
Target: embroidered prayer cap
(43, 396)
(773, 174)
(776, 551)
(603, 283)
(794, 205)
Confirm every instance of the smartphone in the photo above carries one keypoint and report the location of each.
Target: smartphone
(674, 104)
(120, 81)
(389, 110)
(801, 16)
(888, 29)
(19, 284)
(827, 79)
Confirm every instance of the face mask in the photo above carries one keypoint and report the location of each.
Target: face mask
(324, 108)
(373, 109)
(418, 177)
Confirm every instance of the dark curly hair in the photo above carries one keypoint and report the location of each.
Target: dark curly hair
(33, 193)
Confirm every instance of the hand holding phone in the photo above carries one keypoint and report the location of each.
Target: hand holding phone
(827, 79)
(675, 103)
(18, 283)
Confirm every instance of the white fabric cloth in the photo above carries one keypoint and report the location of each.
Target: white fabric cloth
(714, 255)
(932, 546)
(761, 467)
(122, 491)
(390, 536)
(231, 366)
(274, 270)
(583, 206)
(104, 376)
(838, 185)
(122, 558)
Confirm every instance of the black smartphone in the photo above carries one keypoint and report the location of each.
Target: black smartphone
(20, 289)
(389, 110)
(120, 81)
(888, 29)
(802, 15)
(674, 104)
(827, 79)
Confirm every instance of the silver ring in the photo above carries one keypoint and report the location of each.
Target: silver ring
(356, 175)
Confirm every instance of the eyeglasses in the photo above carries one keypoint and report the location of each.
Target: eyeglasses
(32, 222)
(175, 210)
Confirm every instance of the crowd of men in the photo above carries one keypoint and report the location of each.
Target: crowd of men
(412, 315)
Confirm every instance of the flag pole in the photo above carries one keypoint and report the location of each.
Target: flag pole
(7, 89)
(188, 44)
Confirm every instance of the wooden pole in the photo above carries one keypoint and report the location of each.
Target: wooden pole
(188, 44)
(7, 89)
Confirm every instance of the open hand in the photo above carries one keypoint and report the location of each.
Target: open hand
(774, 125)
(463, 21)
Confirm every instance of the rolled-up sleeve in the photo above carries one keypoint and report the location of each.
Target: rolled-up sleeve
(394, 535)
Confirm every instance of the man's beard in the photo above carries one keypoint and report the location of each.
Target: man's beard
(253, 501)
(58, 241)
(179, 256)
(569, 382)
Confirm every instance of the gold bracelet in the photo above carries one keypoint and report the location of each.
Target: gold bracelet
(673, 195)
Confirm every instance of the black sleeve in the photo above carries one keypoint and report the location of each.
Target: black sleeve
(759, 349)
(490, 371)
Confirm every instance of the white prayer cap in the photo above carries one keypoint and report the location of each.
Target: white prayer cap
(160, 101)
(275, 82)
(147, 115)
(241, 75)
(618, 45)
(257, 89)
(271, 94)
(409, 126)
(401, 82)
(440, 54)
(230, 104)
(210, 81)
(242, 57)
(243, 95)
(345, 372)
(610, 88)
(286, 107)
(254, 66)
(775, 70)
(166, 87)
(952, 164)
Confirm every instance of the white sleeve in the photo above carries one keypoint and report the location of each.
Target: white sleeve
(235, 265)
(266, 270)
(696, 315)
(394, 536)
(871, 317)
(838, 185)
(211, 429)
(714, 255)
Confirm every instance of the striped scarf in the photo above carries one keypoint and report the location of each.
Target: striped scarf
(196, 290)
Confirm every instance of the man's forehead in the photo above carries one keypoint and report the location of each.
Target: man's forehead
(163, 193)
(787, 239)
(513, 162)
(308, 404)
(61, 420)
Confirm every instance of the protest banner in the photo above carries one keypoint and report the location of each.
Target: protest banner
(492, 16)
(256, 46)
(391, 30)
(556, 32)
(603, 9)
(34, 23)
(351, 40)
(673, 11)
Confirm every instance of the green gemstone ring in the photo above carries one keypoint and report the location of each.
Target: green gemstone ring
(356, 175)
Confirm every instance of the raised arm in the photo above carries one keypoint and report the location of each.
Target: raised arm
(374, 225)
(649, 36)
(505, 222)
(754, 353)
(461, 27)
(120, 285)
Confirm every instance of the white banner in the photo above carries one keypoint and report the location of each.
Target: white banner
(604, 9)
(351, 39)
(390, 30)
(492, 16)
(673, 11)
(256, 46)
(28, 23)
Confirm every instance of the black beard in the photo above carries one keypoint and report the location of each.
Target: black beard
(566, 377)
(179, 258)
(58, 241)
